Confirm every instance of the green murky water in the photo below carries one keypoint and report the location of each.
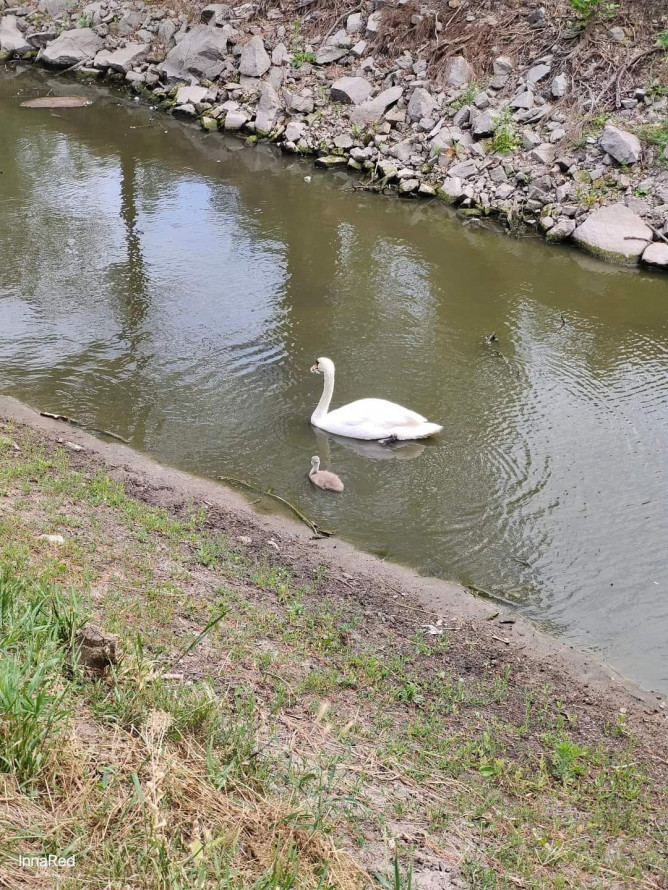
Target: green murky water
(174, 287)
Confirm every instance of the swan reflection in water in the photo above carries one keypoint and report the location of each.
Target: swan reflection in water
(371, 450)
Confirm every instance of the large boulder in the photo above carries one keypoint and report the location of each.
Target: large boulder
(350, 90)
(56, 8)
(122, 60)
(12, 41)
(267, 109)
(72, 47)
(193, 94)
(656, 255)
(200, 53)
(624, 147)
(615, 233)
(373, 109)
(254, 60)
(422, 104)
(458, 73)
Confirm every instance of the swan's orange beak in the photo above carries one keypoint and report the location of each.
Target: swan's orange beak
(314, 368)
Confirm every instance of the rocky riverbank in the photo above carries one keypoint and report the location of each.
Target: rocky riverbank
(553, 115)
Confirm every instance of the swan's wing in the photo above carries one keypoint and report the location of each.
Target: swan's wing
(377, 413)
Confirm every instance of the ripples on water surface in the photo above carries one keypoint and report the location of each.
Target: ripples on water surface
(175, 287)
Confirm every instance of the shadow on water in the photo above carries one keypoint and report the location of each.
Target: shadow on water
(175, 286)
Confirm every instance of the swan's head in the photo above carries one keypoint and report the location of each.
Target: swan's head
(315, 463)
(322, 366)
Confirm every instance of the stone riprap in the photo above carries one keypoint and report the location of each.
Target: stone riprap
(338, 97)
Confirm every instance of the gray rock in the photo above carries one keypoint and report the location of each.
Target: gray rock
(504, 191)
(354, 23)
(41, 39)
(458, 73)
(656, 255)
(330, 53)
(403, 150)
(618, 34)
(561, 230)
(530, 139)
(129, 22)
(56, 8)
(194, 94)
(614, 232)
(350, 90)
(544, 154)
(624, 147)
(537, 73)
(421, 104)
(201, 53)
(498, 175)
(463, 116)
(344, 141)
(72, 47)
(407, 185)
(166, 32)
(276, 77)
(522, 100)
(122, 60)
(12, 41)
(235, 119)
(215, 14)
(373, 24)
(484, 124)
(387, 169)
(254, 60)
(280, 55)
(499, 81)
(502, 66)
(331, 161)
(373, 109)
(294, 131)
(559, 86)
(452, 189)
(463, 170)
(267, 109)
(444, 139)
(298, 104)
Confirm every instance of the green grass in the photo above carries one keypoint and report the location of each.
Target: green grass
(655, 134)
(258, 720)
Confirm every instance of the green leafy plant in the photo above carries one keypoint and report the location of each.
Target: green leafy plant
(300, 58)
(662, 40)
(655, 134)
(587, 9)
(506, 139)
(83, 21)
(466, 97)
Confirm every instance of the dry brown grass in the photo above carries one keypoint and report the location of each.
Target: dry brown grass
(160, 799)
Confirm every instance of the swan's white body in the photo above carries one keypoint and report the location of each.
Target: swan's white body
(367, 418)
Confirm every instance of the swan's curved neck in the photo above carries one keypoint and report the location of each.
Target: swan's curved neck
(326, 397)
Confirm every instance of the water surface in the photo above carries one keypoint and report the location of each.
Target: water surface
(174, 287)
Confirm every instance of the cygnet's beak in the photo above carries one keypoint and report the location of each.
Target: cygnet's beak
(314, 368)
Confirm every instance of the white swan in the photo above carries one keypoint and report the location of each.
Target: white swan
(367, 418)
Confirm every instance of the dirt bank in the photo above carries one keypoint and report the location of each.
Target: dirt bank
(541, 114)
(442, 709)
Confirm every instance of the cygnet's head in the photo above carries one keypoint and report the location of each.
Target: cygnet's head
(315, 463)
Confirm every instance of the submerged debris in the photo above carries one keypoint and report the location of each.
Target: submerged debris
(57, 102)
